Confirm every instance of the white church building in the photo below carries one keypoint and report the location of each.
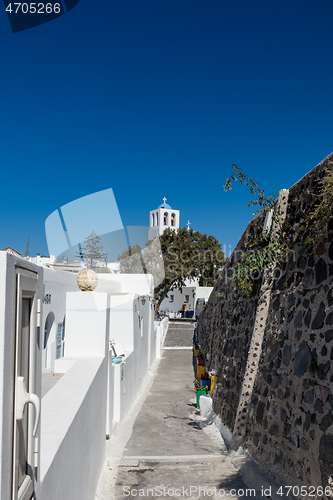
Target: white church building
(177, 303)
(161, 218)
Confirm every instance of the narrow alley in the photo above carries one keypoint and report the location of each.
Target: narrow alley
(171, 451)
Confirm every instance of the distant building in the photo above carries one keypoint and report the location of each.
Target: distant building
(177, 303)
(161, 218)
(42, 260)
(73, 267)
(185, 303)
(12, 252)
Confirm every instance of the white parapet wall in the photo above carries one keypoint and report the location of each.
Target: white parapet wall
(161, 328)
(75, 410)
(53, 320)
(128, 379)
(131, 326)
(87, 324)
(81, 408)
(56, 285)
(142, 284)
(73, 432)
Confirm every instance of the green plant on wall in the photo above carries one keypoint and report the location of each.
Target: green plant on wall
(264, 202)
(309, 241)
(286, 226)
(322, 213)
(319, 216)
(264, 250)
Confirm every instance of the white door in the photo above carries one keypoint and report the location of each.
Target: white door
(26, 416)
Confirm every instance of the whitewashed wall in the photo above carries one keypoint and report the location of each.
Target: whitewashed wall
(58, 283)
(82, 405)
(73, 441)
(194, 293)
(132, 325)
(179, 300)
(161, 328)
(100, 390)
(73, 432)
(142, 284)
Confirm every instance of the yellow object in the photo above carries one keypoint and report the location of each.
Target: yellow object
(196, 352)
(213, 381)
(200, 370)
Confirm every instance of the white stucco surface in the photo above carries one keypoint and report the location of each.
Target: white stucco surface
(161, 328)
(121, 320)
(75, 410)
(142, 284)
(132, 325)
(87, 322)
(56, 285)
(62, 365)
(73, 441)
(127, 382)
(83, 405)
(194, 293)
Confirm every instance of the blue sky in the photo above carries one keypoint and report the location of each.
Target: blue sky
(157, 98)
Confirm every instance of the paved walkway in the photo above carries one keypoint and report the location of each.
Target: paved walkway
(170, 452)
(180, 334)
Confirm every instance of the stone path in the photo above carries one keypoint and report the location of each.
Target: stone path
(170, 453)
(180, 334)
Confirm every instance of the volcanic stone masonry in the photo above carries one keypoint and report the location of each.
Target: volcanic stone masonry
(289, 424)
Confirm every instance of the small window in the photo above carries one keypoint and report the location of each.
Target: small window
(171, 298)
(173, 220)
(153, 220)
(165, 218)
(187, 298)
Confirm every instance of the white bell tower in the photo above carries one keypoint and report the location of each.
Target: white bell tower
(161, 218)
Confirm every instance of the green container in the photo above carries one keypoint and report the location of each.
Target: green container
(200, 392)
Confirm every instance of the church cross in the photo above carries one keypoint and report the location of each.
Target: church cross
(164, 199)
(188, 225)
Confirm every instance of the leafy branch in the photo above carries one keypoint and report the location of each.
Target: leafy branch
(264, 202)
(265, 249)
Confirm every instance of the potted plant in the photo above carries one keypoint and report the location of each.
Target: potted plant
(200, 370)
(200, 390)
(201, 364)
(196, 350)
(205, 380)
(200, 359)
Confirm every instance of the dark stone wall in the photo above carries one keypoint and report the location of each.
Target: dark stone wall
(290, 429)
(225, 328)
